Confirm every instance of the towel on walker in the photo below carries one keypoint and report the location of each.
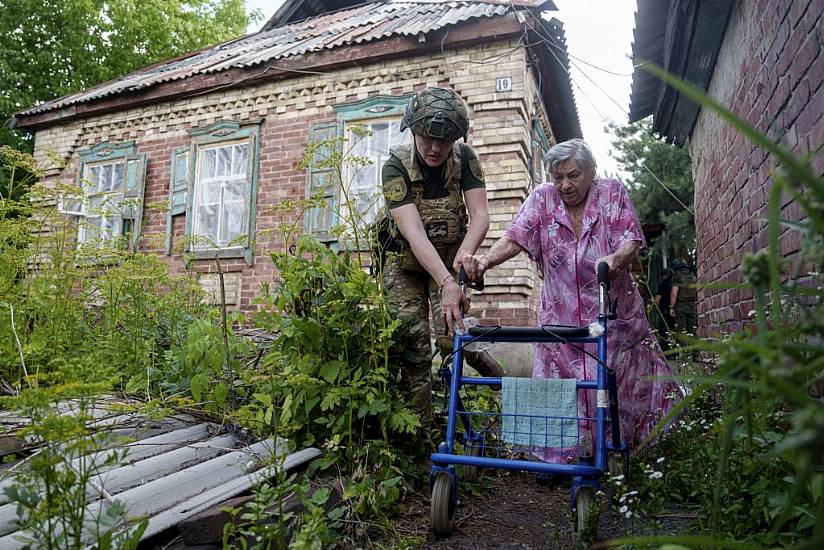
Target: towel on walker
(540, 412)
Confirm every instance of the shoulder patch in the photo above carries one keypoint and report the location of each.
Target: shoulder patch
(395, 189)
(476, 169)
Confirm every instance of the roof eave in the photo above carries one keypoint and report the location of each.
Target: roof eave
(687, 49)
(471, 32)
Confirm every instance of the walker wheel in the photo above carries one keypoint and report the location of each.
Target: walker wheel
(443, 504)
(585, 516)
(471, 473)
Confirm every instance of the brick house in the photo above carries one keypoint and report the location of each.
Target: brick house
(762, 59)
(215, 134)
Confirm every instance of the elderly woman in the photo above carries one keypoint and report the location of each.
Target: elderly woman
(568, 227)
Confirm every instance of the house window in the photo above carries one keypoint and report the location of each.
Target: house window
(110, 205)
(370, 141)
(220, 207)
(213, 185)
(369, 128)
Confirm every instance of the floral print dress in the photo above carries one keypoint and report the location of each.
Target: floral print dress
(569, 296)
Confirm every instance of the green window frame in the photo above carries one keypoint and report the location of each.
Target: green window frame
(112, 180)
(324, 181)
(216, 178)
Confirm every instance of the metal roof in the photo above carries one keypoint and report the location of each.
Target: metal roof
(173, 468)
(360, 24)
(683, 37)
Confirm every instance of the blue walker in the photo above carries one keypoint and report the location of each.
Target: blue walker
(482, 445)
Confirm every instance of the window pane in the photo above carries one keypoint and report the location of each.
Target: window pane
(206, 223)
(93, 177)
(92, 228)
(232, 222)
(209, 161)
(209, 192)
(224, 161)
(105, 178)
(233, 190)
(241, 159)
(109, 229)
(380, 138)
(118, 176)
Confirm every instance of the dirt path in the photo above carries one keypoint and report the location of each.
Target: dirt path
(512, 512)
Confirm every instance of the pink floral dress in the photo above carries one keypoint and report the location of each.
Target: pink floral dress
(569, 297)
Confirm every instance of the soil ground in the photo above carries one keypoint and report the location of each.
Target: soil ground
(513, 511)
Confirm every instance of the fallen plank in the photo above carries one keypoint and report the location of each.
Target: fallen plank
(175, 489)
(138, 450)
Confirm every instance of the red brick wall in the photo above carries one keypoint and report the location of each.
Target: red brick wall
(281, 146)
(769, 72)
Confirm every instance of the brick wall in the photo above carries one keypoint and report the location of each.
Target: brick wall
(500, 132)
(769, 72)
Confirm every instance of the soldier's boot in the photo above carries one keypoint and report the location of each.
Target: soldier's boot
(486, 366)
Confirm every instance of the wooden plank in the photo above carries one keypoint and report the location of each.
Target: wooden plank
(192, 490)
(144, 471)
(151, 498)
(138, 450)
(169, 518)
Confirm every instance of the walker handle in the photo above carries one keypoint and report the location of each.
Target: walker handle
(463, 280)
(603, 274)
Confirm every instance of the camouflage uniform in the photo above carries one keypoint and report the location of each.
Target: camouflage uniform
(409, 288)
(685, 317)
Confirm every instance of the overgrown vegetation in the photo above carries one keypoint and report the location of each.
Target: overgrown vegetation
(660, 185)
(748, 456)
(99, 313)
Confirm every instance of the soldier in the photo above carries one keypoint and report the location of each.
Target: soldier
(682, 298)
(429, 185)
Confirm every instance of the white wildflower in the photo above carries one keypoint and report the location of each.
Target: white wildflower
(628, 514)
(623, 509)
(656, 475)
(660, 460)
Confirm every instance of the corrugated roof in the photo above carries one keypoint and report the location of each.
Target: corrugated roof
(357, 25)
(174, 468)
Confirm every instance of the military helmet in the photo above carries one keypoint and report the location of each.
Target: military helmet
(678, 263)
(436, 113)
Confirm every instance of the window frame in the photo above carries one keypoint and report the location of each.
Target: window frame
(133, 186)
(348, 172)
(346, 114)
(222, 134)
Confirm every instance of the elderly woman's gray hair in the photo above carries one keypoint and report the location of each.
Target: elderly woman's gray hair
(573, 149)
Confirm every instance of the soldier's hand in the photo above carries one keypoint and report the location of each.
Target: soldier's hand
(453, 304)
(475, 267)
(460, 256)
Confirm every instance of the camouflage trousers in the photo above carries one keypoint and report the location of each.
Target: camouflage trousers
(415, 296)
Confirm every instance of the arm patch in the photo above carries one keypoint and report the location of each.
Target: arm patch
(395, 189)
(476, 169)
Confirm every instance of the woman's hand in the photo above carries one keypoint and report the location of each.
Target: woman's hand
(611, 262)
(454, 304)
(475, 267)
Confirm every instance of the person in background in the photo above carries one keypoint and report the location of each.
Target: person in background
(567, 227)
(662, 307)
(435, 194)
(682, 298)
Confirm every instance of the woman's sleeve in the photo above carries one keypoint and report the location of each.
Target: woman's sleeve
(625, 226)
(526, 227)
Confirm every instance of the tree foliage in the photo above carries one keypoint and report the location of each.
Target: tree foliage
(50, 48)
(648, 159)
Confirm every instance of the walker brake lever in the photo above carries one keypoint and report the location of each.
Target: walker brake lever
(463, 280)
